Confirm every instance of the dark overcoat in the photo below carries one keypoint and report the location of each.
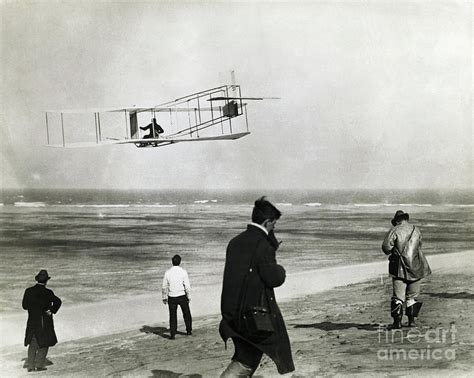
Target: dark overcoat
(267, 275)
(37, 300)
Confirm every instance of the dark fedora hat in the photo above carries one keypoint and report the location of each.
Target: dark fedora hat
(42, 276)
(399, 215)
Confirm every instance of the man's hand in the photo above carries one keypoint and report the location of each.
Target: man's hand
(165, 301)
(49, 313)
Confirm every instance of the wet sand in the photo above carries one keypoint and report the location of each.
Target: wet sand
(332, 330)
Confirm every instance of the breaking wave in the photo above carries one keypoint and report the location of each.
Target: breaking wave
(29, 204)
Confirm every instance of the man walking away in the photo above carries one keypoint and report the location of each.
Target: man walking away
(176, 290)
(41, 304)
(407, 266)
(250, 274)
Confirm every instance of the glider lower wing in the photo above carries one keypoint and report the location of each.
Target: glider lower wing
(155, 141)
(178, 140)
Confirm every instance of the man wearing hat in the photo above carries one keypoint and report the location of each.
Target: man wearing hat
(41, 304)
(407, 266)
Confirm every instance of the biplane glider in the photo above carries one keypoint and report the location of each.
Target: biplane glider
(212, 115)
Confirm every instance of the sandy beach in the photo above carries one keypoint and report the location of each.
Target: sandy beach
(136, 130)
(336, 319)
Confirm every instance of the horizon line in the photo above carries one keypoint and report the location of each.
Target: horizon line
(431, 189)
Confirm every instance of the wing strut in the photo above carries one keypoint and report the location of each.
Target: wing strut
(62, 128)
(230, 120)
(47, 127)
(96, 130)
(98, 124)
(126, 125)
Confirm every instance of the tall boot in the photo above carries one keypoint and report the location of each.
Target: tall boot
(412, 313)
(396, 310)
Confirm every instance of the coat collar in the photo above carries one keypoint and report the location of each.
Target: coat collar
(255, 228)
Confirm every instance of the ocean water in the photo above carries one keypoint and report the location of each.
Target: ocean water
(99, 245)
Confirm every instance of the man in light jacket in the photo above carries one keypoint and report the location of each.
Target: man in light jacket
(176, 290)
(407, 267)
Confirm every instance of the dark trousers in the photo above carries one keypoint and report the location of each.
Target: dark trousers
(36, 355)
(246, 354)
(183, 302)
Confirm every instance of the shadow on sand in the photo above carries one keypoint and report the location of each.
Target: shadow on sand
(160, 331)
(461, 295)
(329, 326)
(25, 362)
(172, 374)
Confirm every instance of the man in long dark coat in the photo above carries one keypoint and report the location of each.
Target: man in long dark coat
(41, 304)
(251, 272)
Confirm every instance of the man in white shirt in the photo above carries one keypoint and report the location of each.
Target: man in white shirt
(176, 290)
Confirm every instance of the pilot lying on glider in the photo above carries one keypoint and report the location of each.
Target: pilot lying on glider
(154, 128)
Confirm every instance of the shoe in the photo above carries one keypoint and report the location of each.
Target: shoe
(41, 369)
(397, 322)
(30, 370)
(172, 337)
(412, 322)
(189, 333)
(412, 313)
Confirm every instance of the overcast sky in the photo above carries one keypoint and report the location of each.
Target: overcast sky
(374, 94)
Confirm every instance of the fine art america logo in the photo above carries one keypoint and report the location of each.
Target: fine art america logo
(415, 344)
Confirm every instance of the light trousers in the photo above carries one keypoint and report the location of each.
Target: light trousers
(36, 355)
(237, 369)
(406, 291)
